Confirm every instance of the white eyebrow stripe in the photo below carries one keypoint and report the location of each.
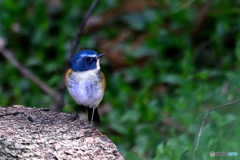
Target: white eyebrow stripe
(85, 55)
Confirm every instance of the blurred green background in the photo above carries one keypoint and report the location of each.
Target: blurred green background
(167, 63)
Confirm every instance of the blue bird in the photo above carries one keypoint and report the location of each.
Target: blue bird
(86, 82)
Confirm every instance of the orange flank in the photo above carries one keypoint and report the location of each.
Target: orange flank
(104, 80)
(67, 73)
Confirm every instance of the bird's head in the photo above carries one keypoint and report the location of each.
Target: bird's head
(85, 60)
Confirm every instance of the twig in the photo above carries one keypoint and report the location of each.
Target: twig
(28, 74)
(206, 115)
(73, 51)
(81, 27)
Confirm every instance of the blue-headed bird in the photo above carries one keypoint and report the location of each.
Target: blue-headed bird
(86, 82)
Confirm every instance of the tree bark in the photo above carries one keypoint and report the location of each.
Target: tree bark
(38, 133)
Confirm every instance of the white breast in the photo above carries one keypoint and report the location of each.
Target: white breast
(86, 88)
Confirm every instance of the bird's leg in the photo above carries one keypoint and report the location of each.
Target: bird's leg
(90, 125)
(92, 115)
(76, 116)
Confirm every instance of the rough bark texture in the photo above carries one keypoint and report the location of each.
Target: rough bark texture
(37, 133)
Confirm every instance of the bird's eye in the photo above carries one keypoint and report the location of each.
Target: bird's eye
(89, 59)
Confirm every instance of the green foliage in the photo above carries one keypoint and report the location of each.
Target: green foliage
(165, 68)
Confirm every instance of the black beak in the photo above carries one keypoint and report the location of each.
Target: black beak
(100, 55)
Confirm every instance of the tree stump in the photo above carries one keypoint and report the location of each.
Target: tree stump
(38, 133)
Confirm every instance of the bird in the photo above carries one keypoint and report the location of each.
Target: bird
(86, 82)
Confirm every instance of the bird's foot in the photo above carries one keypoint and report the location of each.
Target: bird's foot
(88, 125)
(76, 116)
